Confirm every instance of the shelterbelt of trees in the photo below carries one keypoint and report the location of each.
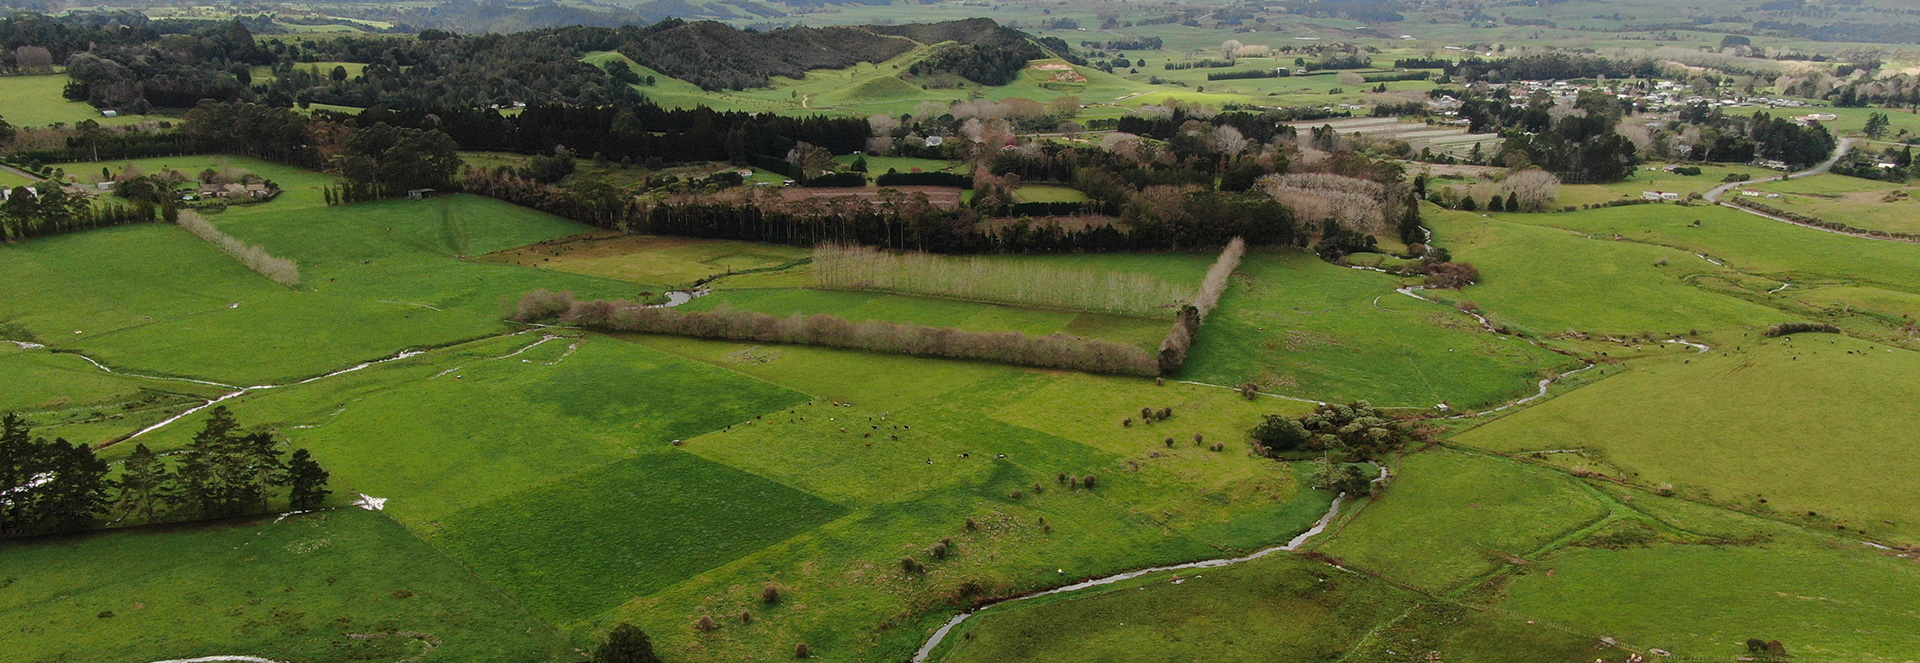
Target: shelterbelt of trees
(124, 61)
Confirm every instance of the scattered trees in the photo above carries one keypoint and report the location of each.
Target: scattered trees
(55, 486)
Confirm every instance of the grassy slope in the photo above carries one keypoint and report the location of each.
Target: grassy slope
(374, 275)
(659, 261)
(1551, 280)
(1449, 518)
(295, 587)
(1750, 243)
(1850, 200)
(1281, 608)
(1300, 326)
(1772, 407)
(1827, 598)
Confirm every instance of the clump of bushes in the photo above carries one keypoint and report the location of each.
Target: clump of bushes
(1355, 427)
(1789, 328)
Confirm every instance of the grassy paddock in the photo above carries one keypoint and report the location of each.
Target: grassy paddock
(1299, 326)
(293, 589)
(1705, 424)
(862, 268)
(1281, 608)
(32, 101)
(661, 262)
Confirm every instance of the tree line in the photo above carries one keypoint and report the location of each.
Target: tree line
(1056, 351)
(49, 209)
(51, 486)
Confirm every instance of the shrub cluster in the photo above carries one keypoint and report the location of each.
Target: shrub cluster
(1356, 427)
(1056, 351)
(1790, 328)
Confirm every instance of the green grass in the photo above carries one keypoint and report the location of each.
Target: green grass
(410, 431)
(588, 543)
(1853, 201)
(878, 165)
(663, 262)
(1280, 608)
(1046, 193)
(1299, 326)
(1753, 420)
(934, 312)
(33, 101)
(1750, 243)
(1827, 598)
(1551, 280)
(1449, 518)
(293, 589)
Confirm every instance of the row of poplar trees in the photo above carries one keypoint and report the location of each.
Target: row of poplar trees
(56, 486)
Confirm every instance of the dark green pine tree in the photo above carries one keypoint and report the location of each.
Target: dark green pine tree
(146, 485)
(17, 468)
(257, 467)
(626, 644)
(1513, 201)
(77, 492)
(206, 467)
(306, 482)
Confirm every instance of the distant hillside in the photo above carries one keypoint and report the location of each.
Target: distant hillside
(716, 56)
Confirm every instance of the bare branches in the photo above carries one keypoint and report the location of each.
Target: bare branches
(1173, 350)
(281, 270)
(1056, 351)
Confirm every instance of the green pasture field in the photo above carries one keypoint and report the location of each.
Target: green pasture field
(1856, 202)
(1283, 607)
(1047, 193)
(936, 312)
(1551, 280)
(1752, 244)
(914, 471)
(64, 396)
(1733, 577)
(377, 278)
(33, 101)
(1465, 516)
(606, 396)
(11, 180)
(1890, 304)
(1772, 404)
(878, 165)
(1299, 326)
(665, 262)
(578, 547)
(297, 588)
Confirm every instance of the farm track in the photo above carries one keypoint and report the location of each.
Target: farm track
(1714, 195)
